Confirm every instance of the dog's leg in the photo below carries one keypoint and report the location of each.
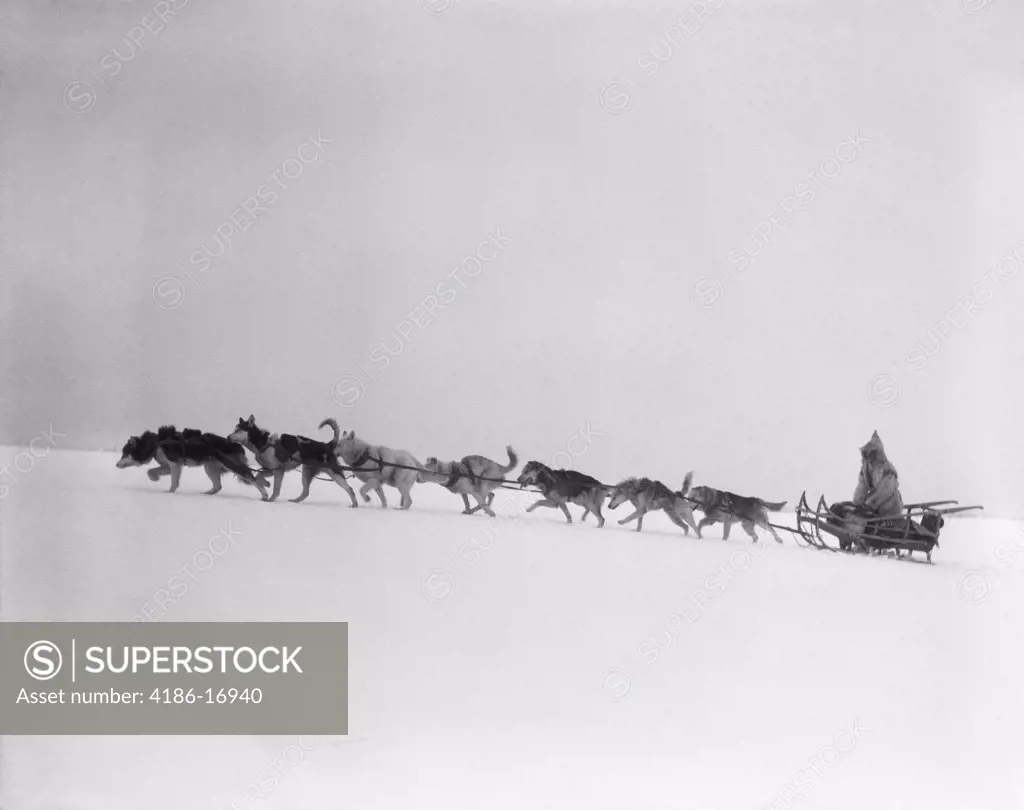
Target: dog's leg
(595, 507)
(634, 516)
(308, 474)
(748, 527)
(482, 499)
(487, 491)
(641, 508)
(213, 472)
(156, 472)
(704, 523)
(675, 518)
(365, 490)
(687, 514)
(542, 502)
(406, 500)
(762, 519)
(681, 514)
(465, 500)
(175, 477)
(681, 521)
(728, 527)
(339, 479)
(565, 511)
(278, 479)
(260, 483)
(379, 489)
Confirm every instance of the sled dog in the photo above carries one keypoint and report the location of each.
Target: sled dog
(720, 506)
(376, 465)
(560, 487)
(173, 450)
(278, 453)
(478, 476)
(648, 496)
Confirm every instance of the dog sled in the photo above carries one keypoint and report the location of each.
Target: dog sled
(844, 527)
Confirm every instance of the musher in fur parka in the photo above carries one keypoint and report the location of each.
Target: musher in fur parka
(878, 487)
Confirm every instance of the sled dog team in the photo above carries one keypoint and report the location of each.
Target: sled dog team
(472, 476)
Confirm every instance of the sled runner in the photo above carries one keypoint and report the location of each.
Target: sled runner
(844, 527)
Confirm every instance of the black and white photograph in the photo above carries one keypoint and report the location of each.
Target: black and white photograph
(639, 381)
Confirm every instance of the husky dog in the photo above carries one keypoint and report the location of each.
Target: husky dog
(279, 453)
(173, 450)
(647, 496)
(376, 465)
(728, 507)
(140, 450)
(560, 487)
(478, 476)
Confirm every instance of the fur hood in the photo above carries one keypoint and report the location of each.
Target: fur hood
(875, 444)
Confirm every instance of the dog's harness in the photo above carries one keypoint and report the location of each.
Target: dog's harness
(271, 442)
(363, 458)
(279, 453)
(458, 471)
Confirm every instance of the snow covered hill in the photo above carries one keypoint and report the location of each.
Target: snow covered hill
(525, 663)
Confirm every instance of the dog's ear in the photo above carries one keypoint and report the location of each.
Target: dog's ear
(252, 419)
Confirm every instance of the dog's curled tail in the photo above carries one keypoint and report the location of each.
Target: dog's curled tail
(334, 426)
(775, 507)
(686, 483)
(513, 461)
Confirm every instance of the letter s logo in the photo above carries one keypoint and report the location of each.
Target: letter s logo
(39, 660)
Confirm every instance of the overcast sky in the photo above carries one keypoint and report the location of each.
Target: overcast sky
(725, 245)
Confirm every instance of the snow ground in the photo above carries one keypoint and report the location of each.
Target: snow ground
(516, 665)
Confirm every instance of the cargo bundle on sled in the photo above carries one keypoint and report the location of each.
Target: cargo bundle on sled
(846, 527)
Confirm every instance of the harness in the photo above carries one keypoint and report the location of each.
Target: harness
(458, 471)
(272, 439)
